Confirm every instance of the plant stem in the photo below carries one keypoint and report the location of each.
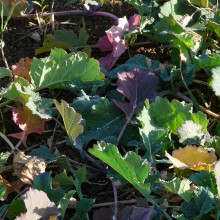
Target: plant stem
(65, 13)
(185, 98)
(3, 54)
(7, 140)
(5, 103)
(125, 125)
(102, 168)
(115, 198)
(200, 82)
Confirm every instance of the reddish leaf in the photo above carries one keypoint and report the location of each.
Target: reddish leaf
(38, 206)
(22, 69)
(137, 86)
(115, 42)
(28, 122)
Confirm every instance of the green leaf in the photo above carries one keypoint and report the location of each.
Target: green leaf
(207, 60)
(64, 164)
(82, 208)
(71, 119)
(203, 202)
(3, 192)
(216, 80)
(40, 106)
(60, 68)
(3, 209)
(174, 7)
(175, 114)
(43, 182)
(5, 72)
(20, 90)
(203, 178)
(3, 158)
(15, 91)
(152, 134)
(178, 216)
(65, 182)
(63, 203)
(15, 208)
(215, 143)
(80, 177)
(166, 28)
(200, 3)
(143, 7)
(179, 187)
(106, 127)
(138, 62)
(44, 152)
(65, 39)
(214, 23)
(131, 166)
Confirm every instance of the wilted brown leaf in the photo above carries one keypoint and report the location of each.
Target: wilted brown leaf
(27, 166)
(194, 158)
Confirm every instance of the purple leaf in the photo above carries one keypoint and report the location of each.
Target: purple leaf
(141, 213)
(137, 86)
(115, 42)
(103, 213)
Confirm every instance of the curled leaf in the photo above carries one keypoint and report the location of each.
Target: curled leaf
(194, 158)
(115, 42)
(22, 69)
(27, 166)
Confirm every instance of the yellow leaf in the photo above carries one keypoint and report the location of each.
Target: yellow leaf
(194, 158)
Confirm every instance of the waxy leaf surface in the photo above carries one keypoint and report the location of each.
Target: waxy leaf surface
(131, 166)
(203, 202)
(175, 114)
(4, 72)
(60, 68)
(180, 187)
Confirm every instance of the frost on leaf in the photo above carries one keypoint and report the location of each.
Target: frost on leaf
(38, 206)
(194, 158)
(27, 166)
(137, 86)
(28, 122)
(190, 133)
(22, 69)
(115, 42)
